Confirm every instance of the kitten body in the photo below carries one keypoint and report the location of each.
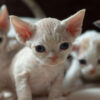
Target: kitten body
(39, 67)
(9, 46)
(85, 66)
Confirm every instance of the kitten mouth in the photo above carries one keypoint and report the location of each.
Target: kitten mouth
(92, 72)
(55, 62)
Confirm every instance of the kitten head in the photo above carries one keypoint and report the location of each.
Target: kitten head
(87, 52)
(50, 39)
(4, 27)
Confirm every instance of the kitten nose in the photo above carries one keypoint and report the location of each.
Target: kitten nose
(53, 58)
(92, 71)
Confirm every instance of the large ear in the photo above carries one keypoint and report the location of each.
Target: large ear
(24, 30)
(4, 19)
(97, 23)
(75, 50)
(74, 23)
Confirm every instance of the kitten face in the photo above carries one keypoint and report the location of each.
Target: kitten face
(50, 39)
(90, 63)
(89, 55)
(53, 39)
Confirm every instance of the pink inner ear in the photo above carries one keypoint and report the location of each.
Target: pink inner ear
(21, 28)
(75, 48)
(72, 30)
(4, 21)
(74, 26)
(23, 32)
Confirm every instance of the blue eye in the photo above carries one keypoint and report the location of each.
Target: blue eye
(64, 46)
(40, 48)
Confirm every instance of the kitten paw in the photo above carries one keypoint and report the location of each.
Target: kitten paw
(24, 75)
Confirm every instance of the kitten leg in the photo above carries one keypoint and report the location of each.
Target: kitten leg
(56, 89)
(22, 87)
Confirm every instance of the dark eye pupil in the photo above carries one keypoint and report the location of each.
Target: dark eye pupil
(40, 48)
(82, 61)
(98, 61)
(1, 39)
(64, 46)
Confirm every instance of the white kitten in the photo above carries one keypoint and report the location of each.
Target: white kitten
(39, 67)
(85, 67)
(8, 46)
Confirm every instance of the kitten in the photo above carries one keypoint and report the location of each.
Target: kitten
(39, 67)
(85, 67)
(8, 46)
(6, 43)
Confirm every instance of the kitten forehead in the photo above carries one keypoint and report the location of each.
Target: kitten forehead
(48, 24)
(84, 45)
(88, 41)
(89, 44)
(96, 43)
(50, 29)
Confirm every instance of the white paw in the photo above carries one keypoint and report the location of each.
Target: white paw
(22, 76)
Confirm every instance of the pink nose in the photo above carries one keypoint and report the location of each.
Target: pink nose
(53, 58)
(92, 71)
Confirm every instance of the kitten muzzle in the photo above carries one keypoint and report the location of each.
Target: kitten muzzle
(92, 71)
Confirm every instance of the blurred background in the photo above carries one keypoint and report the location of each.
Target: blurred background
(58, 9)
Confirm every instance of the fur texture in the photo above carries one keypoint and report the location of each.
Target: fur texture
(41, 73)
(8, 48)
(85, 67)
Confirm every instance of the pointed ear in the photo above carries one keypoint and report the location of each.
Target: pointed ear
(74, 23)
(97, 23)
(75, 50)
(23, 29)
(4, 19)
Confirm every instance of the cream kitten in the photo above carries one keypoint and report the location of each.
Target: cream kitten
(39, 67)
(85, 67)
(8, 46)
